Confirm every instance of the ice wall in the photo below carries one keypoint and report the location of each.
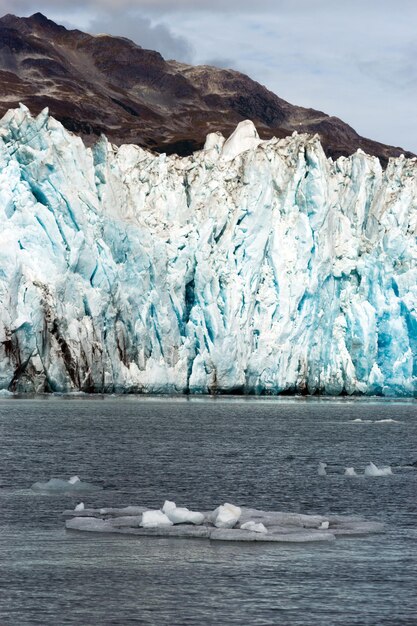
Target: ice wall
(254, 266)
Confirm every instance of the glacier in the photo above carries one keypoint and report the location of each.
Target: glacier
(250, 266)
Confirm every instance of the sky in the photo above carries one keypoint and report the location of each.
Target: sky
(356, 59)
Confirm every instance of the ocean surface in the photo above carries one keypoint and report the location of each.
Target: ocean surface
(200, 452)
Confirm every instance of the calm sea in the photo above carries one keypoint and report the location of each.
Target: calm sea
(202, 452)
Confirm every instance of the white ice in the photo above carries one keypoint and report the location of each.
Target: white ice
(350, 471)
(387, 421)
(321, 471)
(155, 519)
(373, 470)
(80, 507)
(181, 515)
(254, 527)
(382, 421)
(57, 485)
(227, 515)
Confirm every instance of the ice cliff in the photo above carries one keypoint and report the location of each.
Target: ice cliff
(251, 266)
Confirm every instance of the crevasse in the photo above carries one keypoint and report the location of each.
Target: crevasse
(251, 266)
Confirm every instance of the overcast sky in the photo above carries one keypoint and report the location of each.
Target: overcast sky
(356, 59)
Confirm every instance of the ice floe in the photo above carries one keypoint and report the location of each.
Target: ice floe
(58, 485)
(389, 420)
(225, 523)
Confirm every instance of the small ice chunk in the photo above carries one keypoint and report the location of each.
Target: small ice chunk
(387, 421)
(324, 525)
(168, 506)
(57, 485)
(254, 527)
(155, 519)
(181, 515)
(373, 470)
(80, 507)
(321, 471)
(350, 471)
(227, 516)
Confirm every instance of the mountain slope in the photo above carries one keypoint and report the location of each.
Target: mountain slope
(103, 84)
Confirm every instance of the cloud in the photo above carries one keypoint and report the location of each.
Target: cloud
(224, 63)
(150, 6)
(143, 31)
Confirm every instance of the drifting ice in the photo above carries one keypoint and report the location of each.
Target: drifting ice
(251, 265)
(321, 471)
(373, 470)
(350, 471)
(238, 524)
(57, 485)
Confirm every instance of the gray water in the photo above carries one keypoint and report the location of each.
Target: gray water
(202, 452)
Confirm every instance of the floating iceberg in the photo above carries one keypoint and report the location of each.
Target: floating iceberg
(387, 421)
(350, 471)
(321, 471)
(373, 470)
(79, 507)
(57, 485)
(382, 421)
(251, 266)
(248, 524)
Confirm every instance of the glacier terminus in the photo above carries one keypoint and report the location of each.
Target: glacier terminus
(250, 266)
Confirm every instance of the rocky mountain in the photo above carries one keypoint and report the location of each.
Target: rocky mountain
(104, 84)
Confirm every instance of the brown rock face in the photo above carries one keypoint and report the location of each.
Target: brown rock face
(103, 84)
